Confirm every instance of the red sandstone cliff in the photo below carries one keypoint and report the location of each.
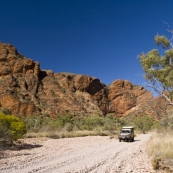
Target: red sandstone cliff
(26, 90)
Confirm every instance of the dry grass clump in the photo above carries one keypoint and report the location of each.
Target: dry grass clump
(160, 146)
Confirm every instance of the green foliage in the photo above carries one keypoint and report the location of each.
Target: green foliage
(61, 121)
(37, 123)
(112, 123)
(69, 127)
(71, 123)
(65, 119)
(92, 122)
(167, 122)
(159, 68)
(34, 123)
(162, 40)
(144, 123)
(11, 128)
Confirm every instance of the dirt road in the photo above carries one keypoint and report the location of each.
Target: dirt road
(79, 155)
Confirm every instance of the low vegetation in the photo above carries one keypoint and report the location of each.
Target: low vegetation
(11, 128)
(161, 143)
(160, 147)
(71, 126)
(143, 124)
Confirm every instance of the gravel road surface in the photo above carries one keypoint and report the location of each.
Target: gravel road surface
(94, 154)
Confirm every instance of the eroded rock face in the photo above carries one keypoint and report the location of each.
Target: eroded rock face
(88, 90)
(16, 107)
(19, 80)
(25, 89)
(125, 97)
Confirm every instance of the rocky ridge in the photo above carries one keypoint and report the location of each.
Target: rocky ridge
(26, 89)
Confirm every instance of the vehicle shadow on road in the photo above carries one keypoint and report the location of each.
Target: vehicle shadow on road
(137, 140)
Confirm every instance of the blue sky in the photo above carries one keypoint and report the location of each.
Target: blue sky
(99, 38)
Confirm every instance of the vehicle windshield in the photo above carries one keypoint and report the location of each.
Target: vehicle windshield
(125, 131)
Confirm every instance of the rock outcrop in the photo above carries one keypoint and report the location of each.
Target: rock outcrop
(19, 78)
(26, 90)
(124, 97)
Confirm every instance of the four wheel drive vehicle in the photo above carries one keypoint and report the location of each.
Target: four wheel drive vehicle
(127, 134)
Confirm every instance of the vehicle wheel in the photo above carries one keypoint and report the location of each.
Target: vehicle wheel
(127, 140)
(132, 139)
(119, 140)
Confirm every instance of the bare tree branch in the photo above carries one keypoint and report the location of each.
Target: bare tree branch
(159, 89)
(171, 31)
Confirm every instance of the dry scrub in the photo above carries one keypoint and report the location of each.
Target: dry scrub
(160, 146)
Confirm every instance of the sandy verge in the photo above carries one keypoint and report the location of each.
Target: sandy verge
(95, 154)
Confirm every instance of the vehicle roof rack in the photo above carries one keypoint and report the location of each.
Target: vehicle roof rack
(128, 127)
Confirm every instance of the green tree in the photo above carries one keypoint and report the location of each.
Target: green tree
(159, 68)
(11, 128)
(92, 122)
(144, 123)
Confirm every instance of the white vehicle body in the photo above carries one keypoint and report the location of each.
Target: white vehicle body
(127, 134)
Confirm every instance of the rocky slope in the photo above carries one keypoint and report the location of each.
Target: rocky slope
(26, 90)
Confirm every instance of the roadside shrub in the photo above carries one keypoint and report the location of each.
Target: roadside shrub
(60, 121)
(160, 147)
(72, 124)
(144, 123)
(92, 122)
(34, 123)
(11, 128)
(65, 119)
(112, 123)
(167, 122)
(55, 124)
(37, 123)
(69, 127)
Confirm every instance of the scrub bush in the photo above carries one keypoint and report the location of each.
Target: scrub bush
(11, 128)
(144, 123)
